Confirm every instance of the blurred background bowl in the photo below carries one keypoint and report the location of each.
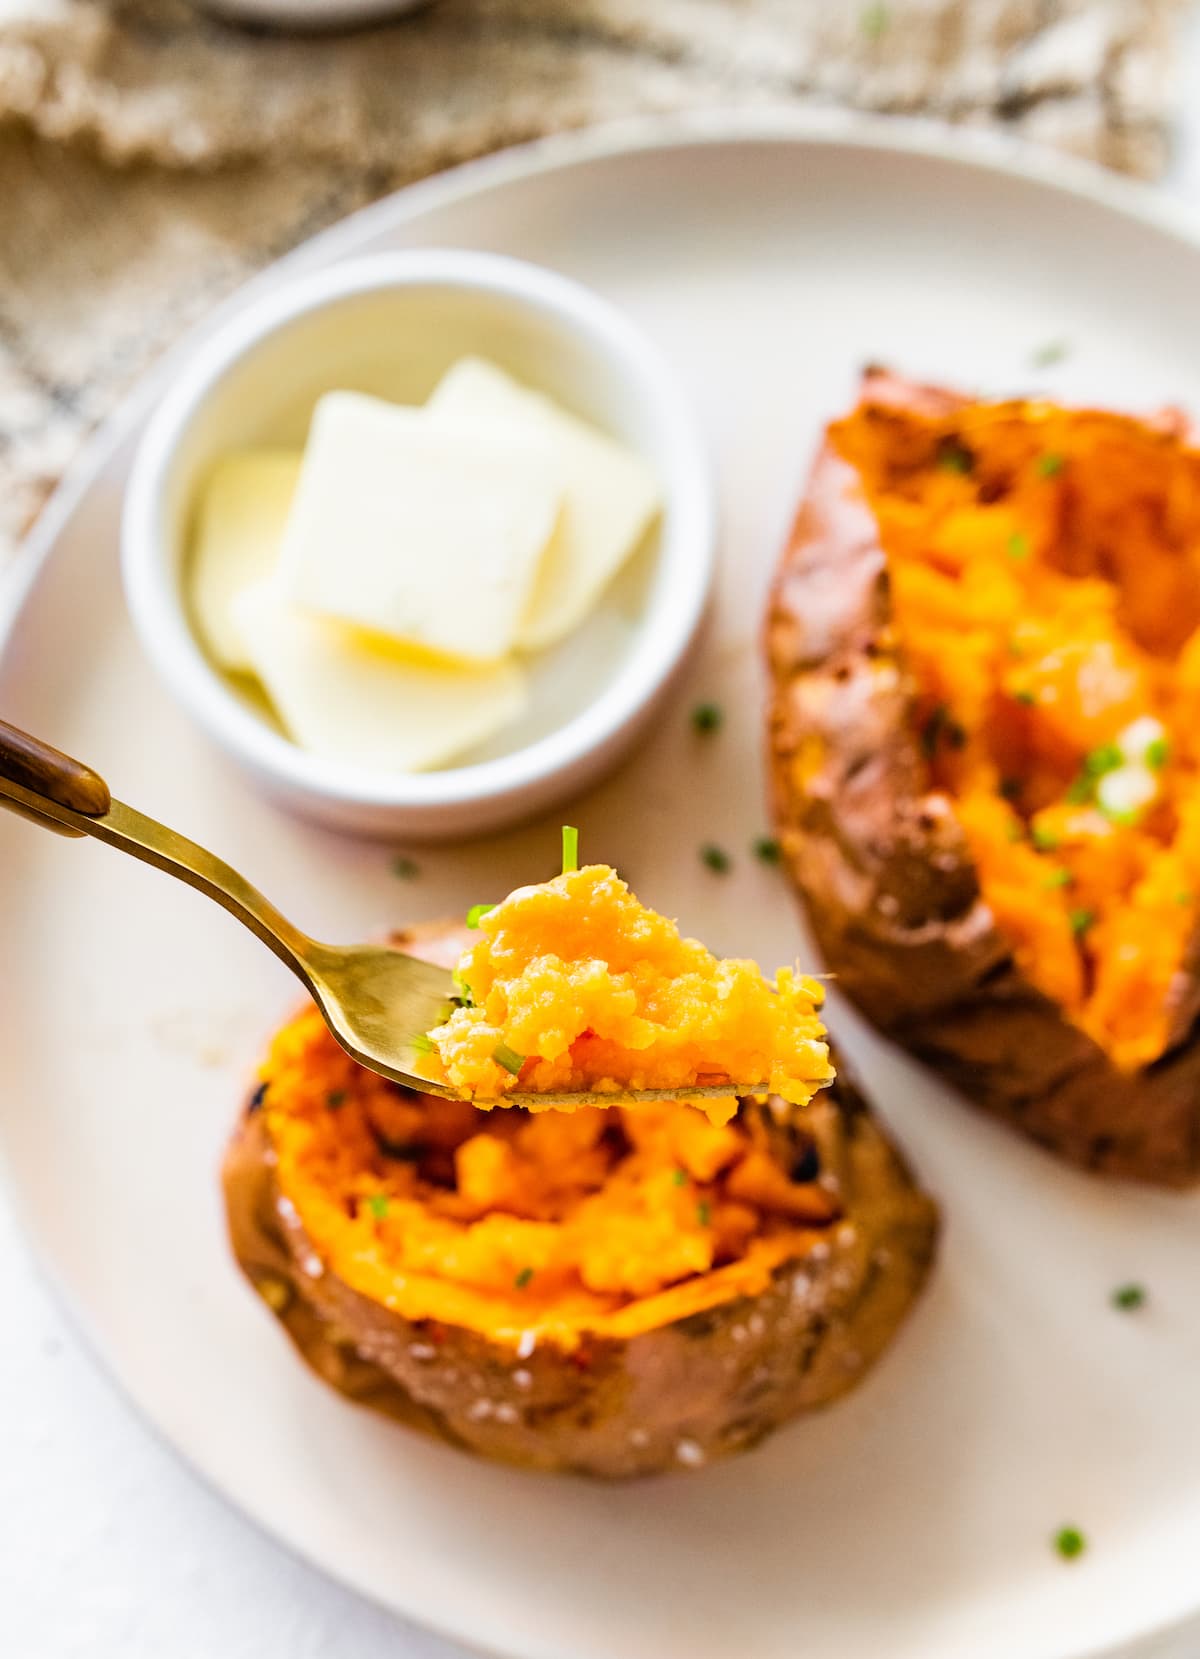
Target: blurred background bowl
(390, 325)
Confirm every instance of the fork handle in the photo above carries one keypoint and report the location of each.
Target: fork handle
(52, 775)
(49, 788)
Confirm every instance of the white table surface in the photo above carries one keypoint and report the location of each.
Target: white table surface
(110, 1549)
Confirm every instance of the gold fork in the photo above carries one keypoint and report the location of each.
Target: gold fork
(377, 1001)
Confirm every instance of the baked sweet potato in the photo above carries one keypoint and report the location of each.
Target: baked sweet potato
(983, 643)
(605, 1292)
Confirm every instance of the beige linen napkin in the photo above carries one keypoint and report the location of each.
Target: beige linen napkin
(152, 157)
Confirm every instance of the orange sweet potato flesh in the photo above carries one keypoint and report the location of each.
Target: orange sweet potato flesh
(976, 603)
(609, 1292)
(579, 986)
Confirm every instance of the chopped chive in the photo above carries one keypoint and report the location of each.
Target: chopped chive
(679, 1176)
(422, 1044)
(1025, 698)
(1047, 355)
(767, 850)
(1080, 790)
(508, 1058)
(465, 998)
(477, 912)
(715, 858)
(1045, 840)
(1018, 545)
(1069, 1542)
(1129, 1297)
(1158, 753)
(707, 717)
(1081, 920)
(874, 21)
(955, 457)
(1106, 758)
(1058, 878)
(1014, 832)
(378, 1205)
(570, 849)
(1123, 817)
(404, 867)
(335, 1098)
(523, 1278)
(1049, 466)
(704, 1212)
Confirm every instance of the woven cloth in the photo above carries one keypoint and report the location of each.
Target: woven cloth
(151, 156)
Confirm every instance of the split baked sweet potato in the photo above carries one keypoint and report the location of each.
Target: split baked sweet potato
(984, 744)
(614, 1292)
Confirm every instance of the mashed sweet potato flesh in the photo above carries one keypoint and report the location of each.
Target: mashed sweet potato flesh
(1045, 580)
(575, 985)
(605, 1222)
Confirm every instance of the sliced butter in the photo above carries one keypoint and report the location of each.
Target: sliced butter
(239, 527)
(611, 494)
(427, 532)
(352, 699)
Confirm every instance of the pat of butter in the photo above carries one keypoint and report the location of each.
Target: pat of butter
(428, 532)
(239, 528)
(611, 494)
(353, 699)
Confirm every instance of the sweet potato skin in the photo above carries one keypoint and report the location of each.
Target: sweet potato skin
(673, 1397)
(887, 878)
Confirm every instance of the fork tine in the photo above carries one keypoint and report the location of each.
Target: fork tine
(621, 1097)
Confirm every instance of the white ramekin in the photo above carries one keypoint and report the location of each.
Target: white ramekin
(391, 324)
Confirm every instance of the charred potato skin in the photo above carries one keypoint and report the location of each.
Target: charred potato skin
(674, 1397)
(889, 886)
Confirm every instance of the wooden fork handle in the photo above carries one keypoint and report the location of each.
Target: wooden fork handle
(49, 788)
(47, 772)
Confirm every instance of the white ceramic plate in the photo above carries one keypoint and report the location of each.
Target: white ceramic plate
(770, 260)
